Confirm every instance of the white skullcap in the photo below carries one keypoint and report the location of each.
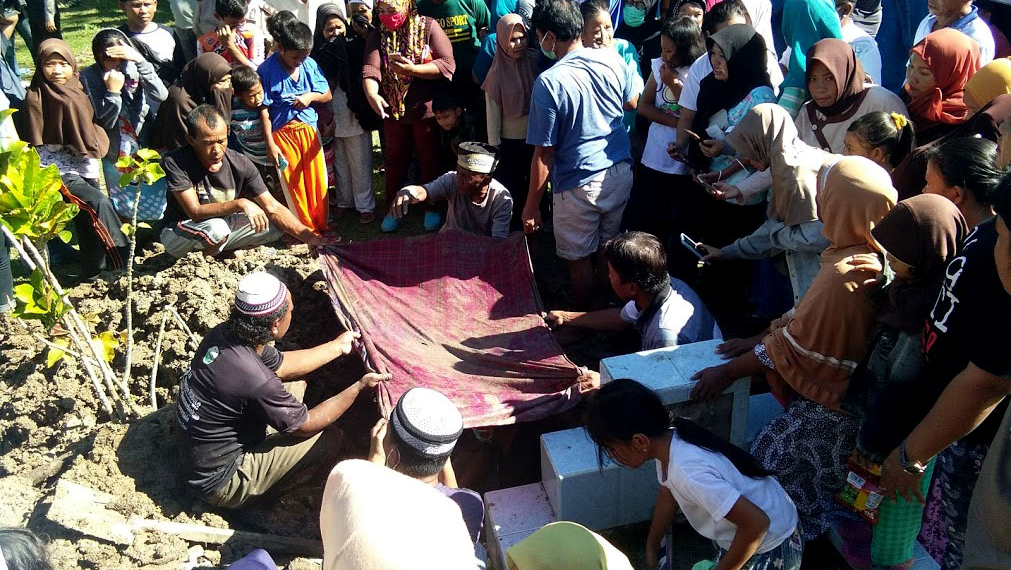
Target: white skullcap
(259, 294)
(427, 421)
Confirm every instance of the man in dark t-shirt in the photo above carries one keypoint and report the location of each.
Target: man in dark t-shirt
(965, 342)
(233, 392)
(217, 200)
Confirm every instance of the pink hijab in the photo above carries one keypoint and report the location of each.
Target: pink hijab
(510, 80)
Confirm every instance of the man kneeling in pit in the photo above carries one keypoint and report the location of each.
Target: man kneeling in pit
(233, 391)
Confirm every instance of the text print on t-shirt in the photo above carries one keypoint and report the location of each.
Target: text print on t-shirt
(946, 299)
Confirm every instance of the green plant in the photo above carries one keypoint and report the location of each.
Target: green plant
(32, 212)
(31, 204)
(142, 168)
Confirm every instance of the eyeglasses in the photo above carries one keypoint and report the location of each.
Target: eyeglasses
(636, 4)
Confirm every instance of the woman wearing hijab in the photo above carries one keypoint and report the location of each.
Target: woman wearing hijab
(990, 82)
(805, 22)
(739, 82)
(808, 356)
(562, 545)
(839, 95)
(124, 88)
(766, 138)
(507, 90)
(939, 67)
(407, 58)
(920, 236)
(350, 156)
(639, 22)
(61, 125)
(206, 79)
(373, 517)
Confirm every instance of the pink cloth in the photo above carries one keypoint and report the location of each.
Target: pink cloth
(458, 313)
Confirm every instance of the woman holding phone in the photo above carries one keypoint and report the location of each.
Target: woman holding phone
(407, 58)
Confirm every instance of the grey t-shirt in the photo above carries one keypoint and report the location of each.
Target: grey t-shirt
(490, 217)
(682, 319)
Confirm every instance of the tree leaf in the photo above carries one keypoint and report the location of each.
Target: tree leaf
(147, 154)
(127, 229)
(55, 355)
(107, 343)
(65, 236)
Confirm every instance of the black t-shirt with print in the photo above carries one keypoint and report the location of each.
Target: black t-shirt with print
(969, 321)
(238, 178)
(227, 398)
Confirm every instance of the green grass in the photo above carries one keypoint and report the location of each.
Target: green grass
(82, 21)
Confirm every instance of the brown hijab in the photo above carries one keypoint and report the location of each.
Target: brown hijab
(841, 61)
(924, 232)
(767, 134)
(195, 87)
(510, 80)
(821, 344)
(62, 114)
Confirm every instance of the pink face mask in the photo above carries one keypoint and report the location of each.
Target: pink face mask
(393, 21)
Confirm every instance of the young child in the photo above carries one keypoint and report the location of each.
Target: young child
(123, 87)
(158, 44)
(61, 125)
(292, 82)
(235, 39)
(721, 489)
(279, 20)
(350, 154)
(246, 129)
(455, 122)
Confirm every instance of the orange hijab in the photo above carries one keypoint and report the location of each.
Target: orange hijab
(953, 58)
(821, 344)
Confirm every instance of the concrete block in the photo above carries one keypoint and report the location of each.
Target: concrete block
(580, 491)
(512, 515)
(668, 372)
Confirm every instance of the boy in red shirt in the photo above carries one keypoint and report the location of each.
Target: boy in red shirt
(235, 39)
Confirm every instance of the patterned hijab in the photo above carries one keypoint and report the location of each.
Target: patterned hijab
(510, 80)
(953, 58)
(62, 114)
(768, 135)
(409, 41)
(821, 344)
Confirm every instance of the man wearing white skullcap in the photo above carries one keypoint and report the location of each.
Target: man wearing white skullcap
(233, 391)
(477, 202)
(417, 441)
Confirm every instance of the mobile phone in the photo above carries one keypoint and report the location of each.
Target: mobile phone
(704, 184)
(282, 163)
(693, 135)
(692, 245)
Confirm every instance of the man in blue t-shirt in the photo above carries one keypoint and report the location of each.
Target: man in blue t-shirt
(576, 129)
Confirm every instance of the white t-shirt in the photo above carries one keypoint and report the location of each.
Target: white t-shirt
(706, 486)
(703, 67)
(654, 155)
(866, 50)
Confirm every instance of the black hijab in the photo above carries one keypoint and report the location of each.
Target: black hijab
(746, 53)
(331, 55)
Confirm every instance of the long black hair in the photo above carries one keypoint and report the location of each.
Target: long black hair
(22, 549)
(970, 163)
(623, 408)
(879, 130)
(687, 38)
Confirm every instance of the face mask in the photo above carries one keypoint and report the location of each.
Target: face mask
(393, 21)
(633, 16)
(548, 54)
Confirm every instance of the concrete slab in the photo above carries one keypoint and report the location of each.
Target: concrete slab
(512, 515)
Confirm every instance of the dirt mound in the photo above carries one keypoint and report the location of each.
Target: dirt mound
(52, 427)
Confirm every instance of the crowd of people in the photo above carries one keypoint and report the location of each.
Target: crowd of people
(836, 169)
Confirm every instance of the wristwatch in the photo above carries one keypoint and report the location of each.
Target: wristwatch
(911, 467)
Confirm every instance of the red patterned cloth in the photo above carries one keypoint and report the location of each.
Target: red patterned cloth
(458, 313)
